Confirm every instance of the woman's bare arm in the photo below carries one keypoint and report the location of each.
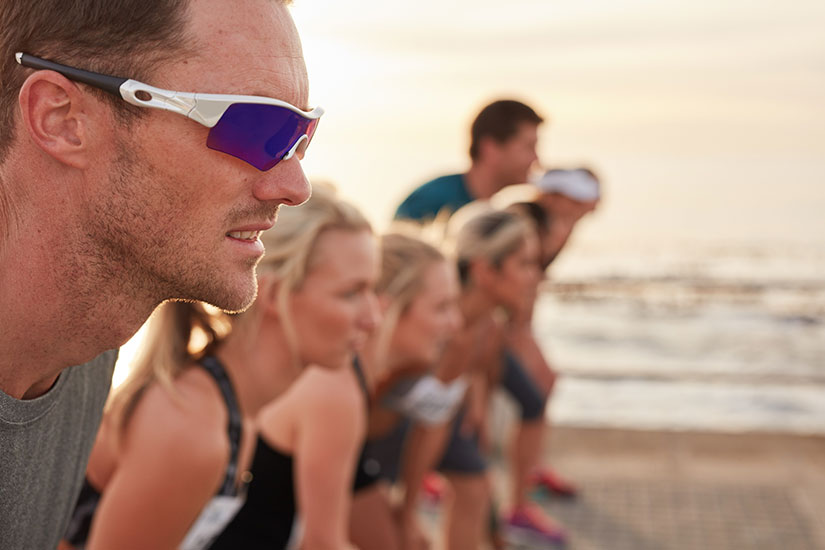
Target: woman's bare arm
(330, 430)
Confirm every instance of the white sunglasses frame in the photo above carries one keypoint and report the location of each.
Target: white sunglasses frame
(205, 109)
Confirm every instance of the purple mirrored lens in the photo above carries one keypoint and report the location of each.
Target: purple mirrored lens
(258, 134)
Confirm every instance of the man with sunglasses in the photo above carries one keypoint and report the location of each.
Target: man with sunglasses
(143, 148)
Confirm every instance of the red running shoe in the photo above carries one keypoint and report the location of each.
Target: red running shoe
(548, 479)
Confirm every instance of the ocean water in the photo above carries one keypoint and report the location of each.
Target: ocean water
(719, 339)
(710, 339)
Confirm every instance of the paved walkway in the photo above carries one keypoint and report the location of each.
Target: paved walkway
(683, 491)
(643, 490)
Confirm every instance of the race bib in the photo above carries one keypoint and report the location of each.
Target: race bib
(214, 517)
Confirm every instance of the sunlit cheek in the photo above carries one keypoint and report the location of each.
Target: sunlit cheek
(428, 348)
(416, 339)
(310, 330)
(428, 336)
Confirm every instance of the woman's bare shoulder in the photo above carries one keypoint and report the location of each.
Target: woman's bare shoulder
(187, 420)
(334, 389)
(330, 398)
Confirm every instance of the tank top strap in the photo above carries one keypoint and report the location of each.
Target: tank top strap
(362, 379)
(214, 367)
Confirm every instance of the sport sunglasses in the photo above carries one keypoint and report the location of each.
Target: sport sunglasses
(259, 130)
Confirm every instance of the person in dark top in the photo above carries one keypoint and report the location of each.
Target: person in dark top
(307, 440)
(172, 458)
(504, 138)
(283, 471)
(223, 504)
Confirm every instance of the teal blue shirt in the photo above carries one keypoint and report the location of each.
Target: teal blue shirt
(445, 193)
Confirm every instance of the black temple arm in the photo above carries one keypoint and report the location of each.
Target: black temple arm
(108, 83)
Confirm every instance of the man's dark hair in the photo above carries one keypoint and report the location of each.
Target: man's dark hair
(126, 38)
(500, 121)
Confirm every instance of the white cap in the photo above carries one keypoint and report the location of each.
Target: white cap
(578, 184)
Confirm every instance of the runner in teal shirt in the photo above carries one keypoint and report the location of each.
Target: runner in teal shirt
(503, 140)
(445, 193)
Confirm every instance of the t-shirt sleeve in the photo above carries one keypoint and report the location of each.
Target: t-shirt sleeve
(417, 206)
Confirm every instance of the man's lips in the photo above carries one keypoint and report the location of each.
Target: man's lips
(244, 235)
(248, 233)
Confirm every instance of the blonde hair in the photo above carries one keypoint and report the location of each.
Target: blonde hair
(492, 236)
(181, 333)
(290, 245)
(404, 262)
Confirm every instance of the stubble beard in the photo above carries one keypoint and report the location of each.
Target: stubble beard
(154, 258)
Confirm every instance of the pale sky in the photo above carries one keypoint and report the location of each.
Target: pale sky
(689, 110)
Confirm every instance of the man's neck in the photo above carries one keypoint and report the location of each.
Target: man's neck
(55, 315)
(481, 182)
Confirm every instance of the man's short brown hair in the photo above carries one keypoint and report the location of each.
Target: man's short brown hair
(500, 121)
(120, 37)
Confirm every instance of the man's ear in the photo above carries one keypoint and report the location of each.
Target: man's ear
(488, 148)
(55, 114)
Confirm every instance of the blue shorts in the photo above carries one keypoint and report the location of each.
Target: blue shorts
(463, 452)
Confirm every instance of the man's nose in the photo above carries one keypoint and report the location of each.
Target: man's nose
(285, 183)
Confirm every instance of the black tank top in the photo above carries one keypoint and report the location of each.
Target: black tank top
(367, 469)
(266, 519)
(81, 521)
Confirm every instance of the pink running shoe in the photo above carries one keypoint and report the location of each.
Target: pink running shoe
(548, 479)
(529, 525)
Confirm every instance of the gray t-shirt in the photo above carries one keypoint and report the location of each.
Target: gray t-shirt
(44, 446)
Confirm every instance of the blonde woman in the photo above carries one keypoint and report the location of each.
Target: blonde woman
(418, 296)
(171, 460)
